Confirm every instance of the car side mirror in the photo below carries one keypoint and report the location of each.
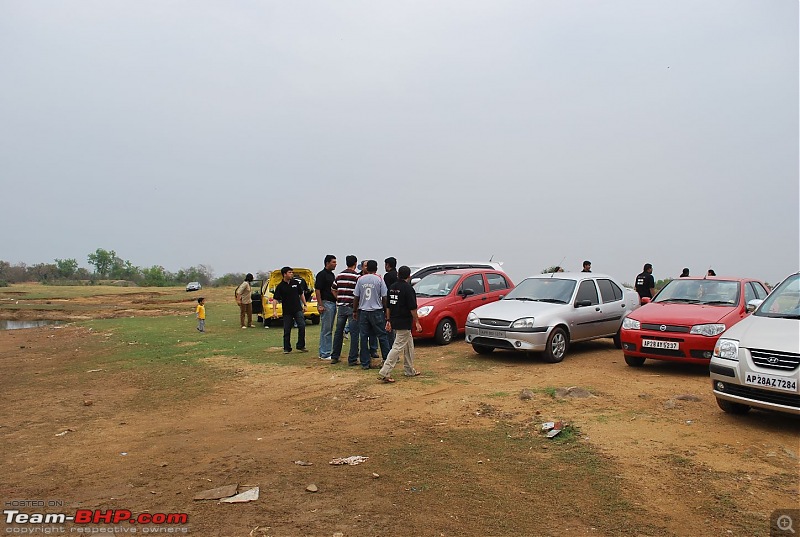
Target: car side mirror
(415, 280)
(753, 305)
(501, 297)
(645, 300)
(467, 292)
(583, 303)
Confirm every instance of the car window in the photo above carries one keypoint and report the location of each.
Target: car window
(436, 284)
(761, 293)
(749, 292)
(474, 282)
(587, 291)
(609, 291)
(496, 282)
(783, 301)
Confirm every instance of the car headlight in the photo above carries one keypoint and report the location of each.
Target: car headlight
(707, 329)
(631, 324)
(424, 311)
(525, 322)
(727, 349)
(471, 318)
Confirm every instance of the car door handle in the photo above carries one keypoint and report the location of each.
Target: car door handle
(597, 309)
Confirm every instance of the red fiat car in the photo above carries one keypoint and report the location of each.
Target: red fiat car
(444, 299)
(684, 320)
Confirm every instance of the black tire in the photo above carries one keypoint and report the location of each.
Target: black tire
(634, 361)
(557, 345)
(445, 332)
(482, 349)
(732, 408)
(617, 340)
(315, 319)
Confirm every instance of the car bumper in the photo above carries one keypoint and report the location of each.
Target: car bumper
(311, 310)
(727, 382)
(694, 349)
(518, 340)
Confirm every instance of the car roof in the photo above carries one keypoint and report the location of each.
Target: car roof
(572, 275)
(462, 271)
(718, 278)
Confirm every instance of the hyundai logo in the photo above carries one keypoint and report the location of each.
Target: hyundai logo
(663, 328)
(773, 359)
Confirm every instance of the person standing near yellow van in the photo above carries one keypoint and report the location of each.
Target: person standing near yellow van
(245, 300)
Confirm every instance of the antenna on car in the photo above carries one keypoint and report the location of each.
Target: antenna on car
(558, 266)
(491, 257)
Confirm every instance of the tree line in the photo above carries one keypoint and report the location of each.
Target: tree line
(108, 265)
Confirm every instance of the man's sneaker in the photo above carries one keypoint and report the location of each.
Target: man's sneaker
(324, 357)
(303, 350)
(334, 360)
(287, 352)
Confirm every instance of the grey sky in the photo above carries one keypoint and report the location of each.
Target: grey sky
(250, 135)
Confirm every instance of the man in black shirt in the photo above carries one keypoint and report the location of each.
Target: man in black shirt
(401, 316)
(290, 294)
(326, 304)
(390, 278)
(587, 266)
(645, 284)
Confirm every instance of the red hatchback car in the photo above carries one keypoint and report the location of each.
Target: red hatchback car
(684, 320)
(444, 299)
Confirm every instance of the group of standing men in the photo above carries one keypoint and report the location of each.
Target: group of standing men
(376, 311)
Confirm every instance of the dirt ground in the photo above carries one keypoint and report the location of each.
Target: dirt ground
(455, 452)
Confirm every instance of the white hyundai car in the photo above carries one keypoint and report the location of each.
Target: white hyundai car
(756, 362)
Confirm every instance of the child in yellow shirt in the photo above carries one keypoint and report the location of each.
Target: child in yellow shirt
(201, 314)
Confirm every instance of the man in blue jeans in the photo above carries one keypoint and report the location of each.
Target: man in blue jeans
(290, 294)
(369, 309)
(343, 288)
(326, 304)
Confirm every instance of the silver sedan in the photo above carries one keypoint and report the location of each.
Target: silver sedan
(545, 313)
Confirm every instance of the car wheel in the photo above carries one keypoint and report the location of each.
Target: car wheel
(482, 349)
(445, 332)
(315, 319)
(617, 340)
(557, 345)
(732, 408)
(634, 361)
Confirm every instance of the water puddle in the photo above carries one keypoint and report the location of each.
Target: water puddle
(17, 325)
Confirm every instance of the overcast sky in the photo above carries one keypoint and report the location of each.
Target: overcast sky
(247, 135)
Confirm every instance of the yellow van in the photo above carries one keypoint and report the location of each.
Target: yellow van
(268, 288)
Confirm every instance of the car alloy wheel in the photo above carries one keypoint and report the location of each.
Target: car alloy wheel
(557, 345)
(445, 332)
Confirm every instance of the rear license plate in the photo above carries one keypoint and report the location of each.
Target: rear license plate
(657, 344)
(491, 333)
(770, 381)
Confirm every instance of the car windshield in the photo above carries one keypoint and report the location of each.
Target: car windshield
(436, 284)
(783, 301)
(554, 290)
(709, 292)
